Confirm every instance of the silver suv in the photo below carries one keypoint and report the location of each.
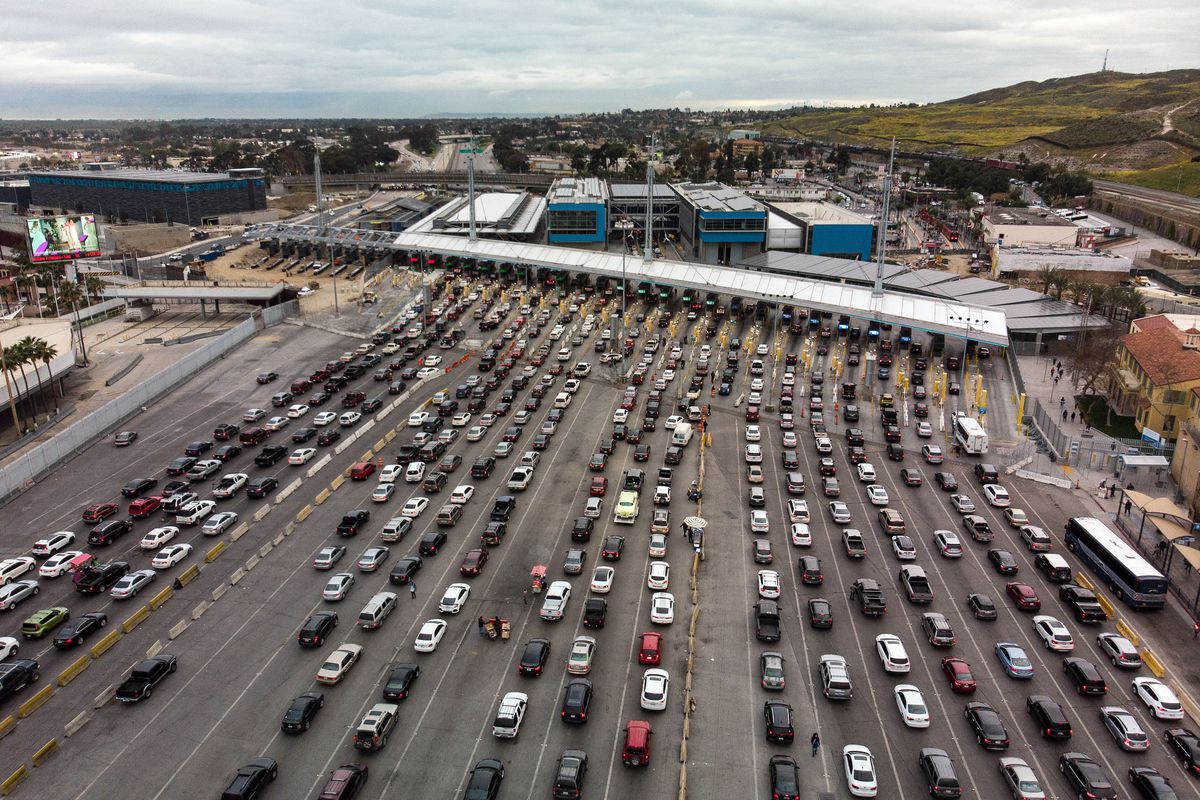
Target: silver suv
(835, 678)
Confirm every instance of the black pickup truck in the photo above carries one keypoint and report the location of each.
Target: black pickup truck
(870, 597)
(1083, 602)
(144, 677)
(101, 577)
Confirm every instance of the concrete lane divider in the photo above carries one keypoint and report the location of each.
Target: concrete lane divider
(1189, 703)
(378, 446)
(7, 725)
(303, 513)
(188, 575)
(266, 548)
(287, 529)
(237, 575)
(199, 609)
(103, 698)
(1153, 663)
(252, 562)
(157, 601)
(321, 497)
(135, 619)
(102, 646)
(287, 491)
(314, 469)
(278, 540)
(177, 629)
(337, 482)
(1128, 632)
(262, 512)
(154, 649)
(69, 674)
(239, 531)
(13, 780)
(35, 702)
(217, 549)
(1107, 605)
(44, 752)
(345, 443)
(367, 456)
(219, 591)
(72, 727)
(1084, 581)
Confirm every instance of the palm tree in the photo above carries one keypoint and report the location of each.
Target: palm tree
(18, 356)
(7, 292)
(33, 350)
(1047, 276)
(93, 287)
(46, 277)
(8, 359)
(72, 295)
(47, 353)
(28, 282)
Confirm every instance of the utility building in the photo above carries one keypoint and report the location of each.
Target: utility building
(720, 224)
(577, 211)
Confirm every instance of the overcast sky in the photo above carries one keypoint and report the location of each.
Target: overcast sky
(382, 58)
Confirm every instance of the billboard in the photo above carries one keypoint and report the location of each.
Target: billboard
(62, 238)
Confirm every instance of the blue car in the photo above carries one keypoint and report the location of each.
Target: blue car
(1013, 659)
(726, 388)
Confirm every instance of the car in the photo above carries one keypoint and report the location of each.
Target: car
(344, 782)
(301, 456)
(1125, 728)
(131, 584)
(383, 492)
(1022, 784)
(962, 504)
(74, 633)
(1120, 651)
(1085, 676)
(327, 556)
(430, 635)
(58, 564)
(14, 592)
(904, 548)
(761, 549)
(1185, 745)
(958, 674)
(946, 481)
(656, 685)
(658, 545)
(659, 575)
(839, 512)
(431, 542)
(1085, 777)
(337, 587)
(99, 511)
(982, 606)
(219, 523)
(834, 674)
(125, 438)
(414, 506)
(1022, 594)
(662, 608)
(768, 584)
(275, 424)
(338, 663)
(194, 512)
(801, 535)
(579, 661)
(1002, 561)
(1036, 539)
(1013, 659)
(1052, 722)
(144, 676)
(777, 715)
(372, 558)
(891, 653)
(301, 712)
(454, 598)
(533, 658)
(400, 680)
(820, 613)
(877, 495)
(797, 511)
(574, 561)
(349, 419)
(1159, 699)
(770, 668)
(911, 705)
(53, 543)
(197, 448)
(996, 495)
(297, 411)
(577, 699)
(911, 477)
(1054, 635)
(1015, 517)
(948, 544)
(484, 781)
(602, 578)
(1151, 784)
(866, 472)
(612, 548)
(859, 766)
(784, 776)
(171, 555)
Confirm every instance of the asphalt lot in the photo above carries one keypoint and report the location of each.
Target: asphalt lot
(240, 665)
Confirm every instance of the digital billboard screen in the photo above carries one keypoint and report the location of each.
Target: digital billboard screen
(62, 238)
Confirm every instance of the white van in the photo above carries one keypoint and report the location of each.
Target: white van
(562, 400)
(682, 434)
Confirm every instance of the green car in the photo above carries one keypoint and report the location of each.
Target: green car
(44, 621)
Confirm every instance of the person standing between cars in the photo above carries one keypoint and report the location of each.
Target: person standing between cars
(412, 589)
(816, 743)
(481, 626)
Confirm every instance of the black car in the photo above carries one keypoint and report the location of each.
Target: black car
(404, 569)
(270, 454)
(581, 529)
(16, 675)
(778, 718)
(431, 542)
(144, 676)
(316, 628)
(319, 399)
(226, 431)
(485, 780)
(1086, 777)
(989, 728)
(137, 486)
(266, 377)
(400, 680)
(1186, 745)
(482, 468)
(1051, 720)
(568, 778)
(982, 606)
(895, 452)
(1085, 676)
(181, 465)
(785, 778)
(75, 632)
(302, 435)
(329, 436)
(250, 781)
(197, 448)
(1151, 784)
(502, 508)
(1003, 561)
(259, 487)
(534, 657)
(641, 452)
(820, 613)
(946, 481)
(595, 611)
(173, 487)
(299, 716)
(107, 532)
(371, 406)
(613, 547)
(353, 522)
(227, 451)
(576, 701)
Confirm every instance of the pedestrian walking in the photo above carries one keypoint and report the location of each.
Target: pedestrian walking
(412, 589)
(525, 597)
(1128, 506)
(1062, 400)
(816, 743)
(481, 626)
(1072, 416)
(1064, 415)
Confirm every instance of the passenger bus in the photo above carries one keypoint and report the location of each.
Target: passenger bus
(1133, 579)
(970, 435)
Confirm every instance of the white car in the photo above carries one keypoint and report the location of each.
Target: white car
(948, 544)
(338, 586)
(383, 492)
(390, 473)
(754, 454)
(759, 523)
(462, 494)
(656, 683)
(254, 414)
(1160, 701)
(1054, 635)
(324, 418)
(911, 705)
(418, 418)
(558, 593)
(1020, 780)
(892, 653)
(756, 385)
(414, 472)
(620, 416)
(790, 440)
(171, 555)
(877, 495)
(798, 511)
(219, 523)
(461, 420)
(672, 421)
(662, 608)
(297, 411)
(904, 548)
(924, 429)
(579, 661)
(13, 593)
(860, 770)
(339, 663)
(996, 494)
(753, 433)
(768, 584)
(428, 372)
(276, 423)
(53, 543)
(839, 512)
(158, 537)
(962, 504)
(9, 647)
(454, 598)
(659, 576)
(801, 535)
(230, 484)
(572, 385)
(476, 432)
(132, 583)
(432, 360)
(302, 456)
(866, 473)
(602, 579)
(933, 453)
(414, 506)
(349, 419)
(194, 511)
(58, 563)
(592, 507)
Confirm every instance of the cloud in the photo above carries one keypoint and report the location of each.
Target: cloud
(304, 57)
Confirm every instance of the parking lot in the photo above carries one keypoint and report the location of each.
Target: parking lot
(240, 665)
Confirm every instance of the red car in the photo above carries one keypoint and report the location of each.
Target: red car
(628, 402)
(650, 649)
(751, 413)
(99, 511)
(599, 486)
(557, 369)
(958, 673)
(1023, 595)
(144, 506)
(473, 561)
(362, 470)
(613, 545)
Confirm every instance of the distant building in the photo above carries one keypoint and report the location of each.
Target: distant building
(15, 192)
(826, 229)
(720, 224)
(742, 133)
(577, 211)
(627, 209)
(549, 164)
(189, 198)
(744, 147)
(1028, 227)
(1071, 260)
(515, 216)
(1154, 373)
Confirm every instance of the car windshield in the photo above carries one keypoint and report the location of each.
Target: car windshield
(863, 774)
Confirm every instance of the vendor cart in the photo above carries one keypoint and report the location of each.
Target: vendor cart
(537, 577)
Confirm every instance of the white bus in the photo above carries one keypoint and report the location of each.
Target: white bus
(1132, 578)
(970, 435)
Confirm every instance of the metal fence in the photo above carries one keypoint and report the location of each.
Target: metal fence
(273, 315)
(1090, 450)
(21, 472)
